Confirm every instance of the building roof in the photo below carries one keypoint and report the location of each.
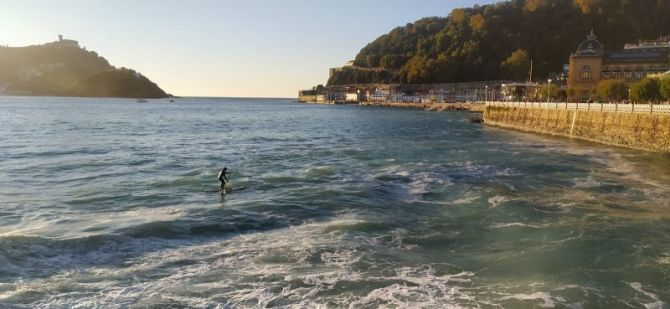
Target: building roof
(591, 47)
(662, 42)
(637, 56)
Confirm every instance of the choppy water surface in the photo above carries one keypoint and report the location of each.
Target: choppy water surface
(106, 203)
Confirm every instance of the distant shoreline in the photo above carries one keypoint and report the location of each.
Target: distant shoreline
(437, 107)
(26, 94)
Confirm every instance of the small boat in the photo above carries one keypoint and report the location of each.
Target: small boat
(141, 101)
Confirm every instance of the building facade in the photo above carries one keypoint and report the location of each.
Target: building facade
(591, 63)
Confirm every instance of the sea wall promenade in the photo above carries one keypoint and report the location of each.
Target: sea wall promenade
(639, 126)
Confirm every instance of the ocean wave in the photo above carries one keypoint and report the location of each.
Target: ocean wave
(656, 302)
(515, 224)
(320, 171)
(546, 299)
(33, 256)
(497, 200)
(299, 266)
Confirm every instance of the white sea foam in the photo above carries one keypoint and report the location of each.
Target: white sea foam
(547, 300)
(497, 200)
(515, 224)
(422, 181)
(665, 260)
(656, 303)
(421, 288)
(79, 224)
(465, 200)
(472, 168)
(419, 182)
(586, 182)
(289, 266)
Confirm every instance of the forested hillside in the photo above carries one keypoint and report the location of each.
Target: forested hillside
(498, 41)
(118, 83)
(64, 70)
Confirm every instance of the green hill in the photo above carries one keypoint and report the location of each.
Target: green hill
(497, 41)
(65, 70)
(118, 84)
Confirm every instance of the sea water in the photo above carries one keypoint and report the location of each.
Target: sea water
(113, 203)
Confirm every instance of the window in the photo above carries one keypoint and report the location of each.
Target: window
(617, 75)
(628, 75)
(606, 75)
(586, 73)
(639, 74)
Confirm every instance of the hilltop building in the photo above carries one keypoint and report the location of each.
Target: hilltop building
(65, 42)
(591, 63)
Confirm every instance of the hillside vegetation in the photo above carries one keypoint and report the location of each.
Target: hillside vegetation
(498, 41)
(118, 83)
(62, 70)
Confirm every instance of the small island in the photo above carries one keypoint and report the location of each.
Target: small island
(63, 68)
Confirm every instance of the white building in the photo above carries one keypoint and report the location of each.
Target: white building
(379, 95)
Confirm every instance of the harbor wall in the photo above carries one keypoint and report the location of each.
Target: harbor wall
(643, 131)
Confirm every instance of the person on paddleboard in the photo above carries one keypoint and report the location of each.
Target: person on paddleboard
(223, 179)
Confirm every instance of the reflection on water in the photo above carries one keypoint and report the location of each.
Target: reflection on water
(110, 202)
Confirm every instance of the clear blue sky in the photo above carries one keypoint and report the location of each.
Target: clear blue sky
(247, 48)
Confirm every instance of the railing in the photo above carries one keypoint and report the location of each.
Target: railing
(616, 108)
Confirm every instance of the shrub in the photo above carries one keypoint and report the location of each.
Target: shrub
(646, 90)
(612, 90)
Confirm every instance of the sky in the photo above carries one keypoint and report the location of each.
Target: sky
(223, 48)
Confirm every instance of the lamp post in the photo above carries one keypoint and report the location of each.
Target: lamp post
(549, 91)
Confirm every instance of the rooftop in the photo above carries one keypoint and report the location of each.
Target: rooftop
(637, 55)
(662, 42)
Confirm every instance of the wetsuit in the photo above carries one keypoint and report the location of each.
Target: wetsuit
(223, 179)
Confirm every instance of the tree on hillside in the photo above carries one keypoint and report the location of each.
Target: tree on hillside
(587, 6)
(118, 83)
(612, 90)
(665, 88)
(517, 65)
(533, 5)
(477, 23)
(473, 42)
(646, 90)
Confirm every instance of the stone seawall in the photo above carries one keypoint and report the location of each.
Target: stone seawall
(649, 132)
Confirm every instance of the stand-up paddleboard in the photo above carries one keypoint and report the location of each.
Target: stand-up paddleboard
(228, 190)
(231, 190)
